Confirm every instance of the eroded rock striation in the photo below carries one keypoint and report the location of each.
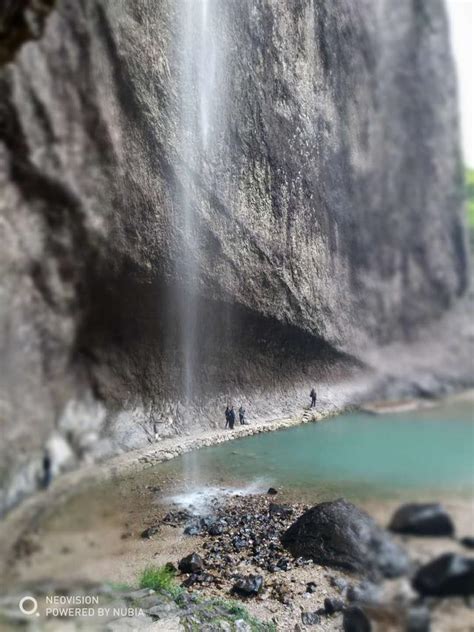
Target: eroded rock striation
(258, 194)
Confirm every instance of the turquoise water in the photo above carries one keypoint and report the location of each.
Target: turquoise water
(356, 455)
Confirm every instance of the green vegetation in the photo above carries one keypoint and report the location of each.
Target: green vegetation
(161, 578)
(235, 612)
(470, 197)
(203, 610)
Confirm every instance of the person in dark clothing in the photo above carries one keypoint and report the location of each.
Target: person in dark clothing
(313, 398)
(227, 412)
(47, 474)
(242, 415)
(231, 418)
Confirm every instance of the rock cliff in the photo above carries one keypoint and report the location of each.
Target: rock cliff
(256, 190)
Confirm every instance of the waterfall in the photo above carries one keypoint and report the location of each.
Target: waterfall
(198, 100)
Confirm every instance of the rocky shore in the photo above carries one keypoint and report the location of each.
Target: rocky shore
(329, 566)
(235, 567)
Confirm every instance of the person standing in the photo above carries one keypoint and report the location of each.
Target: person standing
(227, 416)
(313, 398)
(231, 418)
(47, 470)
(242, 415)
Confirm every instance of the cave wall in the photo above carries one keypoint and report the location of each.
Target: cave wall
(328, 214)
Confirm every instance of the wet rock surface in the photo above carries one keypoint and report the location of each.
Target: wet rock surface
(340, 535)
(423, 519)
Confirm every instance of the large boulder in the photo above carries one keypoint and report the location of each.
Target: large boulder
(340, 535)
(447, 575)
(430, 519)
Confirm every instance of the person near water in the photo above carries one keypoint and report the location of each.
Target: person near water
(242, 415)
(47, 473)
(227, 413)
(313, 398)
(231, 418)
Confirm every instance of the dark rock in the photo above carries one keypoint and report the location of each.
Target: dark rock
(418, 619)
(283, 563)
(310, 618)
(332, 605)
(177, 517)
(340, 535)
(280, 510)
(423, 519)
(192, 563)
(216, 529)
(355, 620)
(365, 593)
(193, 529)
(447, 575)
(199, 578)
(272, 491)
(191, 580)
(150, 531)
(199, 525)
(153, 488)
(239, 543)
(468, 541)
(311, 587)
(248, 586)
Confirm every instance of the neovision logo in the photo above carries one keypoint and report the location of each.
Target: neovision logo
(28, 605)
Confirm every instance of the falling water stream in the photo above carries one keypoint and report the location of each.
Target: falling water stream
(199, 98)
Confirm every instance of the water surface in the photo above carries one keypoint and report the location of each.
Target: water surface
(356, 455)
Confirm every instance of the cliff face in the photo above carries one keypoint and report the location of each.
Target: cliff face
(250, 191)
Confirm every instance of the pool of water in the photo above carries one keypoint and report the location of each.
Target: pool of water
(355, 455)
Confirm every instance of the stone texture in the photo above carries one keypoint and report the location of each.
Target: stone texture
(447, 575)
(423, 519)
(327, 215)
(339, 535)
